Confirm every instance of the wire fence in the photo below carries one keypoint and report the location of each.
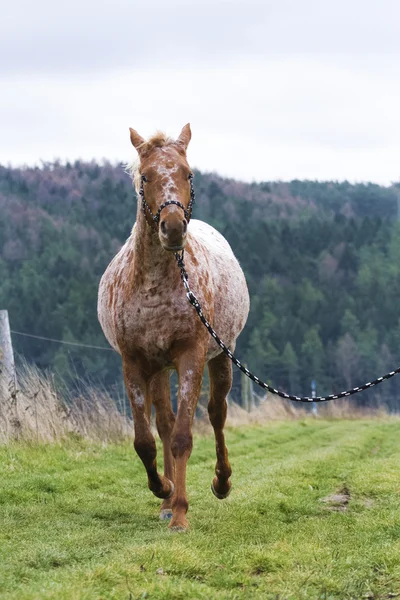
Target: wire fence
(65, 342)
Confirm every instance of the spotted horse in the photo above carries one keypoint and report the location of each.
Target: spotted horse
(147, 319)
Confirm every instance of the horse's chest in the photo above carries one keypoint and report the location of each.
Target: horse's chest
(152, 322)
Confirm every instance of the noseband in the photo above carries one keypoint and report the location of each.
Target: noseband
(156, 217)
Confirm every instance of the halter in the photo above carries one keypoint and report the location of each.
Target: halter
(156, 217)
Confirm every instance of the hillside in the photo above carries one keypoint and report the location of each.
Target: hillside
(322, 261)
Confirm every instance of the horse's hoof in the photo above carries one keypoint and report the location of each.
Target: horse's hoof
(161, 493)
(178, 529)
(220, 496)
(165, 514)
(179, 524)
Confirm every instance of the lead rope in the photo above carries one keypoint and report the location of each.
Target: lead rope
(196, 304)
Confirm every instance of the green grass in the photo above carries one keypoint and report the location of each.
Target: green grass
(77, 521)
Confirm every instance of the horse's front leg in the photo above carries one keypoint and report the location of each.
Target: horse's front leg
(190, 368)
(145, 445)
(159, 390)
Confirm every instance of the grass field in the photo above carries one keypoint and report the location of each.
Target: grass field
(314, 513)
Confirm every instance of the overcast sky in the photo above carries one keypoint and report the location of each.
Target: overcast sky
(273, 90)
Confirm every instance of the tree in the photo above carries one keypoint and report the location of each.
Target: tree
(347, 360)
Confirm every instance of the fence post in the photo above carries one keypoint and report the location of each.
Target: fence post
(7, 369)
(245, 392)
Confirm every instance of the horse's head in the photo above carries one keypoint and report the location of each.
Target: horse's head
(164, 176)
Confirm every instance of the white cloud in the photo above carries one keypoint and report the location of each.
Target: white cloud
(98, 35)
(272, 90)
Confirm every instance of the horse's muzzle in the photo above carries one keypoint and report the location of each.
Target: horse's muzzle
(172, 234)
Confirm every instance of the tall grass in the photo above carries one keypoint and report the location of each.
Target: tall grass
(36, 409)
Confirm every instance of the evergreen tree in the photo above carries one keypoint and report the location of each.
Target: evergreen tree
(322, 262)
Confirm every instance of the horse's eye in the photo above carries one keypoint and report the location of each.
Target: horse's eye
(190, 176)
(144, 178)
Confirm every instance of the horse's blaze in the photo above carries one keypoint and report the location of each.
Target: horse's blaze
(145, 316)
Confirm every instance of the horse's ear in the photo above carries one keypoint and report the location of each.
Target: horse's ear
(184, 137)
(136, 139)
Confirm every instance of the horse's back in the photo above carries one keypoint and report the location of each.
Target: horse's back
(211, 238)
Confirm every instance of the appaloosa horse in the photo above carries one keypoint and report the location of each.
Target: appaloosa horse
(146, 317)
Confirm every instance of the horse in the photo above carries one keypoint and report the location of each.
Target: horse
(147, 319)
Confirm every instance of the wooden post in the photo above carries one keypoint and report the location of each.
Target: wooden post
(7, 369)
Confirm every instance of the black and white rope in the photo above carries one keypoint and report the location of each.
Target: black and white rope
(195, 303)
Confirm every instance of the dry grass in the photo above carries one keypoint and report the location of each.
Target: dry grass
(37, 410)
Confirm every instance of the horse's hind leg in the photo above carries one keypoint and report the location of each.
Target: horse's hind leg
(159, 391)
(145, 445)
(220, 371)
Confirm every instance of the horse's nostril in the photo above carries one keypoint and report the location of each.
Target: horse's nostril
(184, 225)
(163, 227)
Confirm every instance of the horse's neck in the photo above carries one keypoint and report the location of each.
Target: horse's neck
(152, 263)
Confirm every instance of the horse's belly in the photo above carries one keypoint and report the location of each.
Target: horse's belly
(231, 296)
(230, 314)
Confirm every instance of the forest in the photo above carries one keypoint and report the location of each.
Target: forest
(322, 262)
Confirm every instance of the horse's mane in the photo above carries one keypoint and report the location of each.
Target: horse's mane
(158, 140)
